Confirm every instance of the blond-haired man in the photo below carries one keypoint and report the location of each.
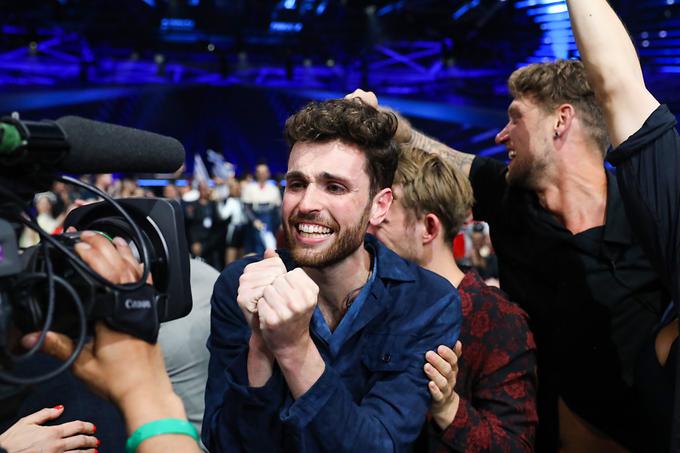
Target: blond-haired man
(492, 405)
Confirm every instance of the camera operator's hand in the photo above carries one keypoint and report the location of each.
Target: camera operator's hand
(29, 436)
(116, 365)
(112, 260)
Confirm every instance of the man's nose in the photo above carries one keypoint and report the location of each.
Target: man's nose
(310, 200)
(502, 136)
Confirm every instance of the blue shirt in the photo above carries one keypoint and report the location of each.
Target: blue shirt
(372, 395)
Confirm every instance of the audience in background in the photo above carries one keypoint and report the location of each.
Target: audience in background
(233, 213)
(44, 207)
(231, 218)
(262, 200)
(171, 192)
(482, 256)
(205, 228)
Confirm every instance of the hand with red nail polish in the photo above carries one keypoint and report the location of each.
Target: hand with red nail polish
(28, 435)
(128, 371)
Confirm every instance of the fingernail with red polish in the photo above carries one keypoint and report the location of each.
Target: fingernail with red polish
(99, 442)
(94, 429)
(58, 407)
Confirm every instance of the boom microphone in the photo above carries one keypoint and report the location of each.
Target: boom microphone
(78, 145)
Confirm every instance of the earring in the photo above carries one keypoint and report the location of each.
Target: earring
(557, 134)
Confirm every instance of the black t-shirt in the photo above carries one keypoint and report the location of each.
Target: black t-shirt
(648, 171)
(592, 297)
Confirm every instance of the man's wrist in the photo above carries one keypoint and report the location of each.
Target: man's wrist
(445, 416)
(404, 132)
(290, 354)
(146, 405)
(260, 362)
(257, 344)
(301, 365)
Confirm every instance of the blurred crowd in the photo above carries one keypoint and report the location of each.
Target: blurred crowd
(226, 219)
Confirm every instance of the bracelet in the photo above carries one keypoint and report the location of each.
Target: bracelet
(158, 427)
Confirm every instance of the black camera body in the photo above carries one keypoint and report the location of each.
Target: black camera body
(162, 225)
(135, 312)
(48, 286)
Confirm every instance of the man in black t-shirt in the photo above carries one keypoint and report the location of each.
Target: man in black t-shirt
(647, 155)
(566, 255)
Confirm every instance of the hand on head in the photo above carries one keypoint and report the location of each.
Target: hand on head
(368, 97)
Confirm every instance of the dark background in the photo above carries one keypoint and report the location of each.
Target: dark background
(225, 74)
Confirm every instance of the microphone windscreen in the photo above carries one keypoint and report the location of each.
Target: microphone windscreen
(98, 147)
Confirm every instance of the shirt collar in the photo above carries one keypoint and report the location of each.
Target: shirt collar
(387, 265)
(390, 265)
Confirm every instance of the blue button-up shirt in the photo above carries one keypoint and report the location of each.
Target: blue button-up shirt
(372, 395)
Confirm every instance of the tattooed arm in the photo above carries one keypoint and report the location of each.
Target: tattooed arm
(407, 136)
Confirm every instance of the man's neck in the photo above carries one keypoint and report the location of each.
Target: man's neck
(441, 261)
(576, 195)
(339, 283)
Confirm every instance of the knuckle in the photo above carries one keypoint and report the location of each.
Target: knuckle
(296, 306)
(84, 440)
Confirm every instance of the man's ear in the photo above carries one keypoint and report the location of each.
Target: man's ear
(380, 205)
(433, 228)
(563, 121)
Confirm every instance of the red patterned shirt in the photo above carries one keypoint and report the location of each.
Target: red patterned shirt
(497, 375)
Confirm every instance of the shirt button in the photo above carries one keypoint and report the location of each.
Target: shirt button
(386, 357)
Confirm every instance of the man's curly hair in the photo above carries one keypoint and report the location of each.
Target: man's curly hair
(353, 122)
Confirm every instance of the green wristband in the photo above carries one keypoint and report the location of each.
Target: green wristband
(158, 427)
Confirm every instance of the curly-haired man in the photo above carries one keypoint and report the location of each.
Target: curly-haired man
(321, 348)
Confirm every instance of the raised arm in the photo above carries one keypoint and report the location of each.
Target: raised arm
(613, 67)
(408, 136)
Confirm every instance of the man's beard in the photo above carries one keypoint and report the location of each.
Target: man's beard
(527, 173)
(347, 242)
